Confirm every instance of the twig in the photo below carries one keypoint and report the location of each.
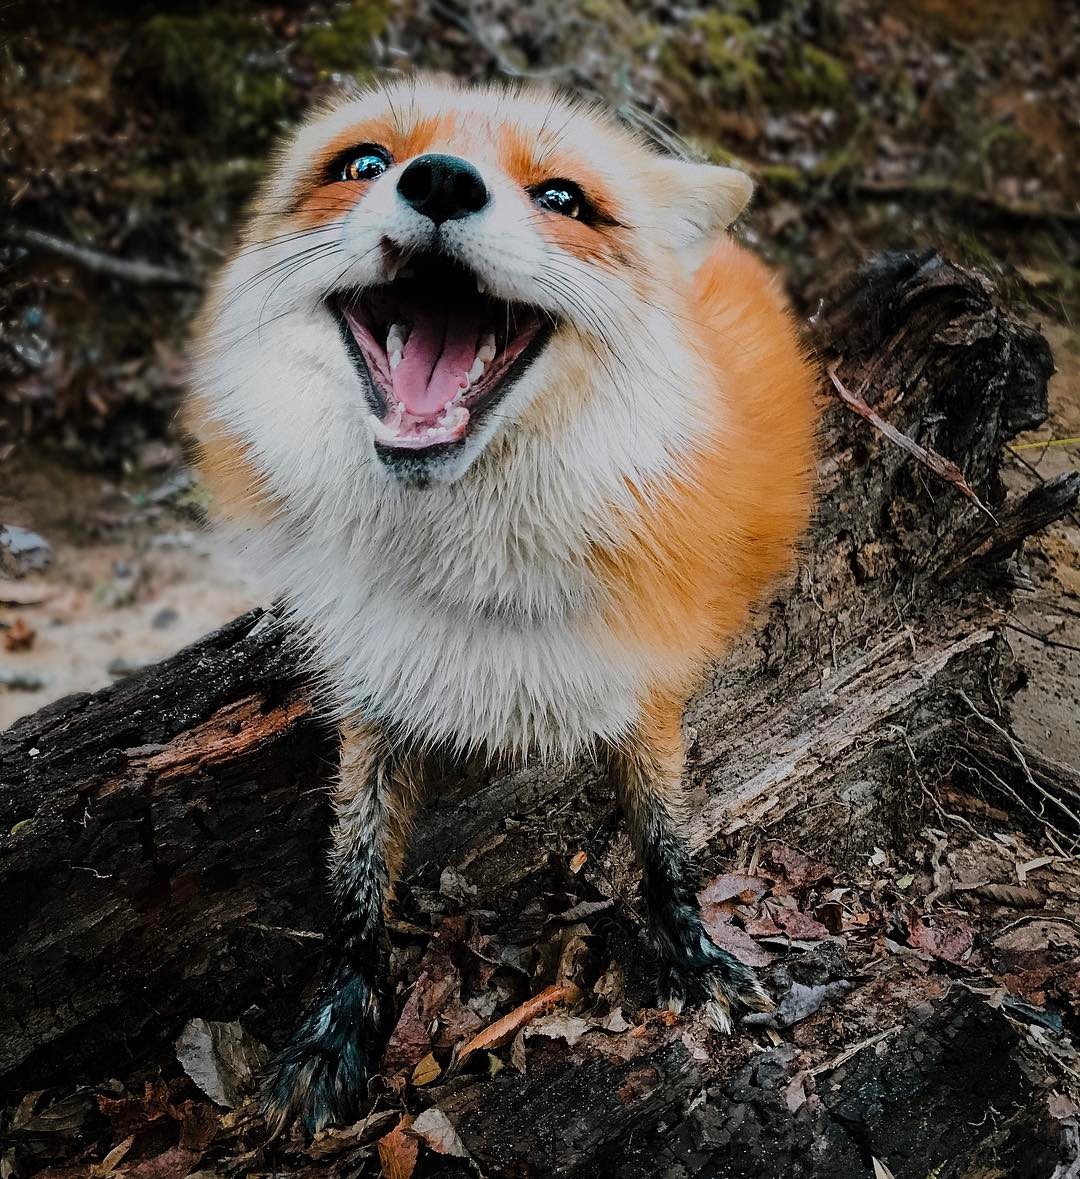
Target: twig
(1019, 755)
(851, 1051)
(1037, 474)
(144, 273)
(942, 467)
(1031, 634)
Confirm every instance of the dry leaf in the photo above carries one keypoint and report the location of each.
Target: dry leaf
(881, 1171)
(733, 886)
(19, 636)
(950, 938)
(502, 1030)
(112, 1160)
(398, 1151)
(800, 925)
(799, 870)
(221, 1058)
(578, 862)
(437, 1132)
(426, 1071)
(1019, 897)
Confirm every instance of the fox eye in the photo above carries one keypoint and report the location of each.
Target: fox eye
(369, 161)
(561, 196)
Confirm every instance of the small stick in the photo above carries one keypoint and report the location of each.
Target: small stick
(143, 273)
(941, 466)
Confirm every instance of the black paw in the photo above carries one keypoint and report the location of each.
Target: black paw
(714, 980)
(320, 1078)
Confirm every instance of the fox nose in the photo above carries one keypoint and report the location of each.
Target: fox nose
(443, 188)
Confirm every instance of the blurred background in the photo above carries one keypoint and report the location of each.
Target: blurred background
(131, 136)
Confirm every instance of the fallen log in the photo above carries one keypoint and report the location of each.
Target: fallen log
(161, 855)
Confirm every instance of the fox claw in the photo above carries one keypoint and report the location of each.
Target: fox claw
(718, 983)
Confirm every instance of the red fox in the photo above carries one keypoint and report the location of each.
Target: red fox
(520, 435)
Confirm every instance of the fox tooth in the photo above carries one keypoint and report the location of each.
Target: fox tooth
(396, 337)
(486, 351)
(477, 371)
(395, 358)
(481, 287)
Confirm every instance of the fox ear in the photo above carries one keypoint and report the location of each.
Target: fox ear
(700, 201)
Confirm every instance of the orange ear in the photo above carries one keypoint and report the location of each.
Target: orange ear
(700, 200)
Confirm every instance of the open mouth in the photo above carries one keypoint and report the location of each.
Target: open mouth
(438, 352)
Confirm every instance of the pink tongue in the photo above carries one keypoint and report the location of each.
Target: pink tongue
(438, 353)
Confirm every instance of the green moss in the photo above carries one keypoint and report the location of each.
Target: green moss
(817, 78)
(719, 49)
(782, 177)
(214, 74)
(345, 44)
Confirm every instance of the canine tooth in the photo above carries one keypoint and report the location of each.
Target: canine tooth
(395, 358)
(477, 371)
(486, 351)
(396, 337)
(481, 287)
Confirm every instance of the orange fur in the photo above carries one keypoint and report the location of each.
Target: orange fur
(707, 545)
(226, 469)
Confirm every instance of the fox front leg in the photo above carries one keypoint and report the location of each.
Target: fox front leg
(647, 768)
(320, 1078)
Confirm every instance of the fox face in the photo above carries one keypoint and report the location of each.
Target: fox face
(429, 269)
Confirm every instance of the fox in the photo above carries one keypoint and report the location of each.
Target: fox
(492, 400)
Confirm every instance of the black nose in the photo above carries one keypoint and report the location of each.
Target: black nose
(443, 187)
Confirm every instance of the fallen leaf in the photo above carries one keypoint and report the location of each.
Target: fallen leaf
(113, 1159)
(880, 1170)
(334, 1140)
(65, 1116)
(221, 1058)
(799, 870)
(801, 925)
(171, 1164)
(1038, 935)
(398, 1151)
(19, 636)
(578, 862)
(426, 1071)
(1019, 897)
(730, 937)
(831, 915)
(437, 1133)
(504, 1029)
(732, 886)
(949, 938)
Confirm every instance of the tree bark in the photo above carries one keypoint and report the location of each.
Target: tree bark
(163, 839)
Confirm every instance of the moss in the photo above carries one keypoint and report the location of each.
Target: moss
(344, 45)
(721, 50)
(816, 78)
(215, 75)
(782, 177)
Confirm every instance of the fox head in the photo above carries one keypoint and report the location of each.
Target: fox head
(430, 271)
